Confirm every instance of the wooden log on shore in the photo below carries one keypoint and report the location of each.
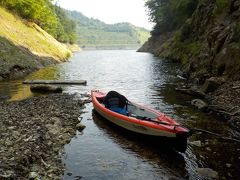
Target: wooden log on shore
(70, 82)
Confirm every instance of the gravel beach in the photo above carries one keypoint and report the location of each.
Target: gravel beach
(33, 133)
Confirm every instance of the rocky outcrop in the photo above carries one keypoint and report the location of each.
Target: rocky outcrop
(154, 43)
(207, 44)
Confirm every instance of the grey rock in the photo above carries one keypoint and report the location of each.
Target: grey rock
(207, 173)
(196, 143)
(212, 84)
(80, 126)
(200, 104)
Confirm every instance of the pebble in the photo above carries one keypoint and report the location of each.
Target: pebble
(37, 139)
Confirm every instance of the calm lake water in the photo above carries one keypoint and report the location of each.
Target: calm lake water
(103, 151)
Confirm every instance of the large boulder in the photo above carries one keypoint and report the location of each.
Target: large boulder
(212, 84)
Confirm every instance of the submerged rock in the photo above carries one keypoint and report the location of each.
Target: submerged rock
(193, 91)
(46, 88)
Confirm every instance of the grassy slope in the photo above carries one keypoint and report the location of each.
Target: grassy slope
(24, 46)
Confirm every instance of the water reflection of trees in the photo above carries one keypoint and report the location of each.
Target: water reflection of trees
(18, 91)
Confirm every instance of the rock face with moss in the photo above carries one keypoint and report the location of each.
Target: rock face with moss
(25, 47)
(208, 46)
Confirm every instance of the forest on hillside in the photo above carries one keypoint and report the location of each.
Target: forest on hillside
(169, 15)
(45, 14)
(95, 33)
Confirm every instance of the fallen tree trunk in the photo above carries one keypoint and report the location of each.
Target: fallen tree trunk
(76, 82)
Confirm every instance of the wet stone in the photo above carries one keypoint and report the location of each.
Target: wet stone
(80, 126)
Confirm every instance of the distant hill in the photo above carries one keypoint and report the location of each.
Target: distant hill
(93, 33)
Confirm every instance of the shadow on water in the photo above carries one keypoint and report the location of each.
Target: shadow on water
(151, 151)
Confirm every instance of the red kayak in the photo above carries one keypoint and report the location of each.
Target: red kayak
(136, 118)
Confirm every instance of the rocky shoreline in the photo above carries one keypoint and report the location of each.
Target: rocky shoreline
(207, 47)
(33, 134)
(218, 97)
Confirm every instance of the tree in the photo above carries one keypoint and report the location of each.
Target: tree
(169, 14)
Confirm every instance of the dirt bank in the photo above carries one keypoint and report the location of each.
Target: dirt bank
(33, 134)
(25, 47)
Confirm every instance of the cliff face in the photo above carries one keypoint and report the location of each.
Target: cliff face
(25, 47)
(208, 45)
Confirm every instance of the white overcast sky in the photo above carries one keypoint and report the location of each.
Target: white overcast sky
(111, 11)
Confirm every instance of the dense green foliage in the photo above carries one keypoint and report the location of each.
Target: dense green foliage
(97, 34)
(221, 6)
(51, 18)
(169, 15)
(68, 33)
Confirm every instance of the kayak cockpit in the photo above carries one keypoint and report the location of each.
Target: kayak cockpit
(120, 104)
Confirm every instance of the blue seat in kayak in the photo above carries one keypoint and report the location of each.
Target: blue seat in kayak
(116, 102)
(119, 110)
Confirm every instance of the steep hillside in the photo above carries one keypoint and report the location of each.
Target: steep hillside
(93, 33)
(25, 47)
(208, 45)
